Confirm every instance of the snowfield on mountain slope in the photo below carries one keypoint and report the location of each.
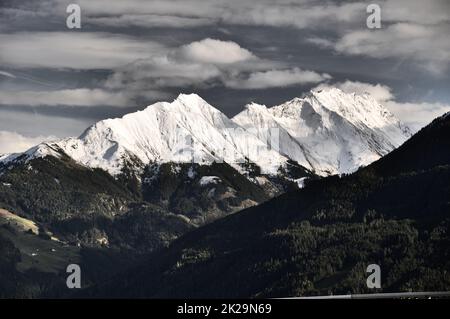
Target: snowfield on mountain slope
(328, 132)
(206, 180)
(186, 130)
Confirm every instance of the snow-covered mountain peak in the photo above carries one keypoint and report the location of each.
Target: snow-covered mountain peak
(252, 113)
(41, 150)
(329, 131)
(357, 108)
(191, 99)
(185, 103)
(185, 130)
(255, 106)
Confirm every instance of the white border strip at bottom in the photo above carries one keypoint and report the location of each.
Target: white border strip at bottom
(393, 295)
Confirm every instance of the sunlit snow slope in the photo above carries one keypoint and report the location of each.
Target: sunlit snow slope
(328, 131)
(186, 130)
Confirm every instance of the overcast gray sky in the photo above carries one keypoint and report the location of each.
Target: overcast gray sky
(54, 82)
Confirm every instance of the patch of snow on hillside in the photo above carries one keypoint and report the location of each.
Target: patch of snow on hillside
(206, 180)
